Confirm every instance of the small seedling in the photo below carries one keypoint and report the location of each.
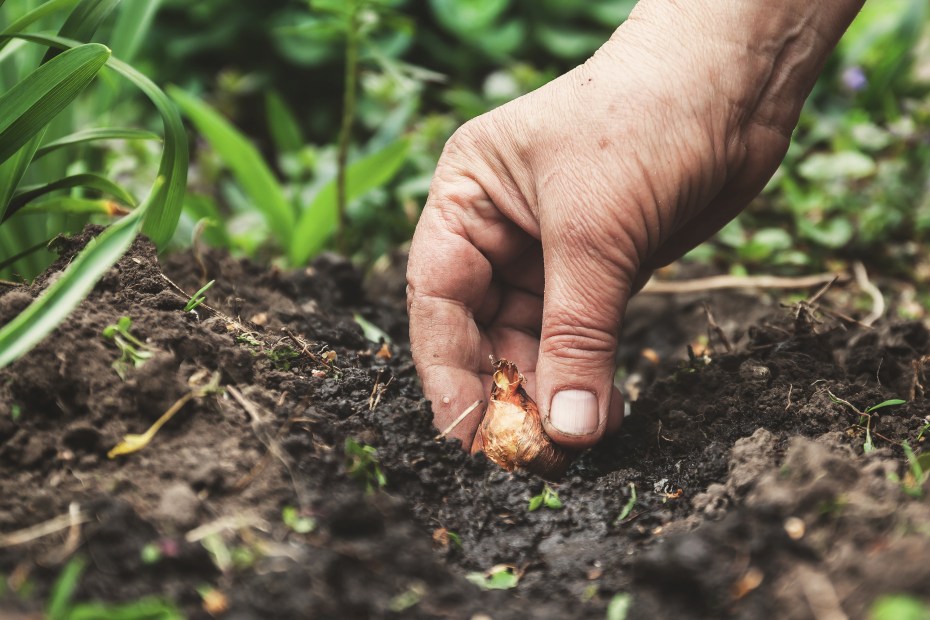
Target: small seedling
(302, 525)
(60, 606)
(16, 411)
(362, 464)
(547, 497)
(619, 606)
(628, 507)
(133, 352)
(282, 357)
(198, 297)
(500, 577)
(865, 417)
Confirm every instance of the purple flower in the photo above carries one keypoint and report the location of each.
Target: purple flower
(854, 79)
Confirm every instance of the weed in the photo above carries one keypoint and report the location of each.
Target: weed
(362, 465)
(547, 497)
(919, 471)
(628, 507)
(282, 357)
(133, 352)
(198, 297)
(60, 606)
(866, 416)
(300, 524)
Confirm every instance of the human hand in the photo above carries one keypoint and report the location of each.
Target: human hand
(546, 214)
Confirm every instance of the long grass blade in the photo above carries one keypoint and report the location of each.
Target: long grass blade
(30, 17)
(318, 222)
(83, 22)
(88, 180)
(245, 162)
(27, 107)
(98, 133)
(57, 301)
(163, 216)
(132, 22)
(282, 124)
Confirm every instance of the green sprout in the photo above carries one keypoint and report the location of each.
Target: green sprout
(302, 525)
(282, 357)
(60, 606)
(362, 465)
(547, 497)
(133, 352)
(628, 507)
(198, 297)
(866, 416)
(500, 577)
(919, 471)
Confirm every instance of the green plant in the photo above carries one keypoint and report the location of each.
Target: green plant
(61, 607)
(628, 507)
(547, 497)
(899, 607)
(34, 91)
(500, 577)
(866, 416)
(198, 297)
(362, 465)
(282, 356)
(619, 606)
(133, 352)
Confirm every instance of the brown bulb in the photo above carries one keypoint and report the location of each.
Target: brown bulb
(511, 433)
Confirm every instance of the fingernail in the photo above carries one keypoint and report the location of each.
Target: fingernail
(574, 412)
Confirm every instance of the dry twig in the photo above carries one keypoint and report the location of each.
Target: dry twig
(712, 325)
(458, 420)
(878, 301)
(701, 285)
(40, 530)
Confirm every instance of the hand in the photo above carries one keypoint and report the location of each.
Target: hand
(546, 214)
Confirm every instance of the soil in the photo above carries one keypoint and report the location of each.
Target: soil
(754, 494)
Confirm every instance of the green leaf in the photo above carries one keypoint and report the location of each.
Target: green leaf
(132, 22)
(244, 161)
(97, 133)
(31, 104)
(162, 217)
(63, 590)
(318, 221)
(283, 126)
(148, 608)
(535, 502)
(88, 180)
(628, 507)
(33, 16)
(837, 166)
(619, 606)
(832, 233)
(569, 42)
(66, 205)
(83, 21)
(468, 16)
(57, 301)
(888, 403)
(553, 501)
(501, 577)
(372, 332)
(899, 607)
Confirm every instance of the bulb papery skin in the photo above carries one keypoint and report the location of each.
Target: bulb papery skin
(511, 433)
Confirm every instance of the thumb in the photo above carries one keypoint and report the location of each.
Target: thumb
(588, 283)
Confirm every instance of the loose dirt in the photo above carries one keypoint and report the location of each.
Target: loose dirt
(754, 494)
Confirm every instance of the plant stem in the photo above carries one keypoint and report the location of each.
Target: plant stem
(348, 115)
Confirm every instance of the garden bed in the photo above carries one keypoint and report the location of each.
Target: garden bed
(754, 496)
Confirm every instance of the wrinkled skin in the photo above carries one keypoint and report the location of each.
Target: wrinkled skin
(546, 214)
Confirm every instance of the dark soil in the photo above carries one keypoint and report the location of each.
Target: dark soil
(754, 498)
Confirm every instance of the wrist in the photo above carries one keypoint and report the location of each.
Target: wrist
(760, 58)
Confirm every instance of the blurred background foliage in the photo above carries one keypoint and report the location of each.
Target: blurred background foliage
(264, 88)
